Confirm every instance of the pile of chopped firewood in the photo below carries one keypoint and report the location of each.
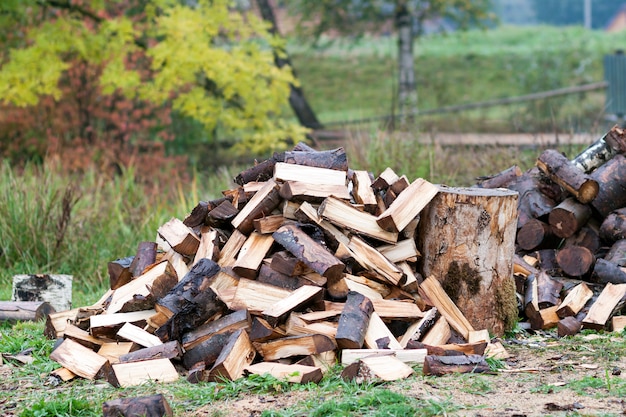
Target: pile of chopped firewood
(307, 262)
(571, 252)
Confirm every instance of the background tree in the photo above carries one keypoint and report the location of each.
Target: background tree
(205, 60)
(409, 18)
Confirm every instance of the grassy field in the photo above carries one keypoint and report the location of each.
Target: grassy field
(462, 68)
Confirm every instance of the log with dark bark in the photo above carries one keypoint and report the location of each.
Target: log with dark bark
(25, 310)
(169, 350)
(563, 172)
(261, 204)
(207, 351)
(443, 365)
(465, 227)
(568, 326)
(569, 217)
(612, 194)
(262, 171)
(575, 261)
(613, 227)
(330, 159)
(601, 151)
(145, 256)
(119, 272)
(502, 179)
(537, 197)
(588, 237)
(617, 253)
(354, 321)
(149, 406)
(234, 321)
(535, 234)
(606, 271)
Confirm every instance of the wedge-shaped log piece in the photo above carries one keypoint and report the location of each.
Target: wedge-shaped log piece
(256, 297)
(136, 373)
(208, 247)
(401, 251)
(299, 374)
(295, 326)
(261, 204)
(149, 406)
(295, 346)
(310, 175)
(372, 260)
(82, 361)
(563, 172)
(345, 215)
(361, 288)
(107, 325)
(205, 353)
(138, 335)
(234, 321)
(418, 329)
(407, 205)
(119, 272)
(385, 179)
(435, 293)
(114, 350)
(396, 309)
(268, 224)
(252, 254)
(439, 334)
(56, 323)
(305, 296)
(408, 356)
(378, 335)
(383, 290)
(298, 190)
(228, 254)
(568, 326)
(362, 190)
(161, 276)
(376, 368)
(261, 331)
(601, 311)
(83, 337)
(443, 365)
(307, 213)
(354, 321)
(574, 301)
(180, 237)
(544, 319)
(169, 350)
(303, 247)
(234, 358)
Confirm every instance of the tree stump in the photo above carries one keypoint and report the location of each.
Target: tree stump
(55, 289)
(467, 241)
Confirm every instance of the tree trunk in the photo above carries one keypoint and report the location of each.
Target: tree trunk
(407, 92)
(298, 102)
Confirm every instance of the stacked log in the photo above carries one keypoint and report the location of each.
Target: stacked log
(570, 243)
(304, 261)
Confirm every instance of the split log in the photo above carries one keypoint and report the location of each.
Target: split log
(256, 297)
(83, 361)
(310, 175)
(307, 213)
(418, 329)
(362, 191)
(25, 310)
(444, 365)
(451, 349)
(261, 204)
(114, 350)
(612, 194)
(397, 309)
(148, 406)
(234, 321)
(294, 346)
(305, 296)
(575, 261)
(138, 335)
(228, 254)
(437, 295)
(268, 224)
(439, 334)
(361, 288)
(222, 215)
(207, 351)
(145, 256)
(261, 331)
(403, 250)
(169, 350)
(407, 206)
(372, 260)
(83, 337)
(252, 254)
(267, 275)
(618, 323)
(296, 326)
(137, 373)
(569, 217)
(408, 356)
(331, 159)
(385, 179)
(234, 358)
(502, 179)
(208, 247)
(119, 272)
(304, 191)
(107, 325)
(376, 368)
(563, 172)
(601, 311)
(378, 335)
(299, 374)
(354, 321)
(55, 289)
(574, 301)
(467, 240)
(287, 264)
(568, 326)
(303, 247)
(613, 227)
(180, 237)
(56, 323)
(345, 215)
(544, 319)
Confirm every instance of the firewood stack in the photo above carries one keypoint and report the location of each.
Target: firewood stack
(306, 260)
(571, 247)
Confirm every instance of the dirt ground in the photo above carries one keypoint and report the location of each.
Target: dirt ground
(531, 384)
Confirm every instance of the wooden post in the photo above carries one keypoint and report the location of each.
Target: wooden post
(55, 289)
(467, 241)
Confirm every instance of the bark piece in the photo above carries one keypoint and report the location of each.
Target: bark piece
(55, 289)
(444, 365)
(25, 310)
(252, 254)
(295, 346)
(420, 328)
(82, 361)
(136, 373)
(613, 228)
(148, 406)
(345, 215)
(331, 159)
(467, 240)
(354, 321)
(604, 307)
(169, 350)
(565, 173)
(234, 321)
(568, 326)
(574, 301)
(407, 205)
(373, 368)
(299, 374)
(304, 296)
(303, 247)
(180, 237)
(605, 272)
(408, 356)
(373, 260)
(261, 204)
(575, 261)
(145, 256)
(234, 358)
(569, 217)
(612, 194)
